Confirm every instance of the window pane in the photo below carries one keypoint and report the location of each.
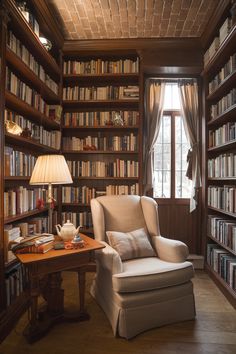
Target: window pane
(171, 99)
(182, 183)
(162, 160)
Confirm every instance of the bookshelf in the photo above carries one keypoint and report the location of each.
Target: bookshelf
(220, 164)
(31, 77)
(104, 157)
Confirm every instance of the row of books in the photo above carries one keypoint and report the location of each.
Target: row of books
(224, 134)
(23, 53)
(22, 230)
(223, 230)
(223, 165)
(30, 96)
(17, 163)
(218, 40)
(30, 18)
(122, 189)
(118, 168)
(20, 200)
(84, 194)
(100, 66)
(105, 143)
(16, 280)
(223, 198)
(78, 194)
(222, 263)
(83, 219)
(225, 71)
(100, 93)
(223, 104)
(99, 119)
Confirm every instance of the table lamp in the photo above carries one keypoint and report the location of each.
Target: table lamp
(50, 169)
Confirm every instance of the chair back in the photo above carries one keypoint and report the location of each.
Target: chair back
(123, 213)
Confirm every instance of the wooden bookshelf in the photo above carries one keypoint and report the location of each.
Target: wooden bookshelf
(13, 21)
(215, 67)
(100, 79)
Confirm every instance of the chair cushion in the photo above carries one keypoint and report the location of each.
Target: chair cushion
(151, 273)
(130, 245)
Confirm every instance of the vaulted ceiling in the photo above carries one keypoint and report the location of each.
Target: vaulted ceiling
(110, 19)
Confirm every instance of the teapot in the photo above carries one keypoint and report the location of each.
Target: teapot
(67, 231)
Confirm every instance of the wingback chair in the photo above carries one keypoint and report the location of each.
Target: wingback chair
(143, 279)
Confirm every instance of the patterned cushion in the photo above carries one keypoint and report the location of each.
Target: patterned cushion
(130, 245)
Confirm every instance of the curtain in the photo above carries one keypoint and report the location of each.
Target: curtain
(188, 90)
(154, 100)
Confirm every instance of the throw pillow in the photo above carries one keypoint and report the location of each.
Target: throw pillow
(129, 245)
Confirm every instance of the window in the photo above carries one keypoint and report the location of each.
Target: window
(170, 151)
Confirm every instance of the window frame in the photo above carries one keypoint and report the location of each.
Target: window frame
(172, 113)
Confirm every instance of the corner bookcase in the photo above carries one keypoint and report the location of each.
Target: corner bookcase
(220, 111)
(32, 81)
(103, 154)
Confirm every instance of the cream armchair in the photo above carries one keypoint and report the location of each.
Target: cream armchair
(146, 292)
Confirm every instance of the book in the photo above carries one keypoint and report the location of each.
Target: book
(32, 247)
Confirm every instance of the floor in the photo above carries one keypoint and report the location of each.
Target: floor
(213, 330)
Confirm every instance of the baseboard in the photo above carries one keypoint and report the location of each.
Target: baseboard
(196, 260)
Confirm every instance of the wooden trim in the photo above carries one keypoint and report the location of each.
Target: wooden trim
(25, 215)
(3, 30)
(127, 46)
(13, 313)
(214, 22)
(228, 292)
(85, 152)
(29, 143)
(80, 128)
(221, 244)
(49, 23)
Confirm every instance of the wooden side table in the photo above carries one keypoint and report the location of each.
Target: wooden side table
(52, 263)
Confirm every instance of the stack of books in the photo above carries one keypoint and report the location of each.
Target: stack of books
(34, 244)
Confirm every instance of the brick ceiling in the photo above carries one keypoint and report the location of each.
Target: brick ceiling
(107, 19)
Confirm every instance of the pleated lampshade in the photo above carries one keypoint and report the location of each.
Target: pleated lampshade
(51, 169)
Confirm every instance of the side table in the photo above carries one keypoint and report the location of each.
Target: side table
(51, 264)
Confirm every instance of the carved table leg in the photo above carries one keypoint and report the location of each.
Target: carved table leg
(82, 281)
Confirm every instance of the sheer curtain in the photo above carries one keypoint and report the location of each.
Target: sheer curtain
(188, 90)
(154, 100)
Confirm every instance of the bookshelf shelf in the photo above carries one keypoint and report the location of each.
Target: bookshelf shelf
(28, 143)
(85, 152)
(95, 79)
(30, 77)
(222, 211)
(106, 178)
(16, 104)
(27, 36)
(225, 85)
(222, 244)
(226, 49)
(76, 205)
(28, 214)
(226, 116)
(70, 105)
(101, 128)
(222, 147)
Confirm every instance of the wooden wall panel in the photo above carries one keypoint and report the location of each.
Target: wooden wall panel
(176, 222)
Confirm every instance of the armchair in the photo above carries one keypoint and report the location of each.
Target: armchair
(147, 291)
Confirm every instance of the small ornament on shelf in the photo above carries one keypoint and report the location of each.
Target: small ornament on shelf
(26, 133)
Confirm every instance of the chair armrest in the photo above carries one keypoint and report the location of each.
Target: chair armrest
(170, 250)
(108, 258)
